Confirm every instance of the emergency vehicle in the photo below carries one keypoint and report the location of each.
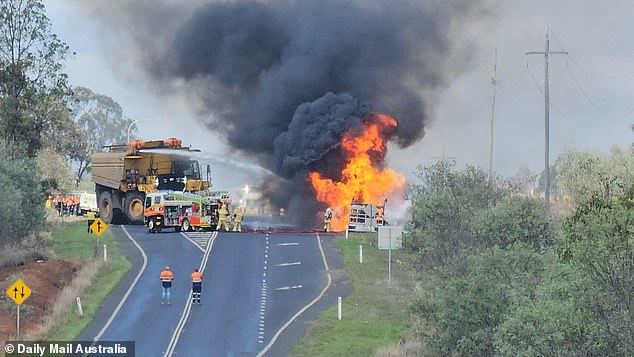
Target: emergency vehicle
(182, 211)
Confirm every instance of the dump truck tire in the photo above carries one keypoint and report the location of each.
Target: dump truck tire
(134, 207)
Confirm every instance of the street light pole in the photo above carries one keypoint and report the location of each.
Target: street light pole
(134, 122)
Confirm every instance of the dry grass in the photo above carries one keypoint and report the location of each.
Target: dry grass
(25, 251)
(65, 307)
(407, 348)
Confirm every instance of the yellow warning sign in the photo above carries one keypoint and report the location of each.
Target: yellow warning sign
(19, 292)
(98, 226)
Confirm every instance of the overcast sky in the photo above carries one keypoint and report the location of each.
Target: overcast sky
(597, 35)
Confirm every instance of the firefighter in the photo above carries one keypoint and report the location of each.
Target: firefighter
(197, 286)
(327, 219)
(166, 281)
(237, 219)
(223, 212)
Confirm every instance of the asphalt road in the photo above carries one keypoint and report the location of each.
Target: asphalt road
(253, 285)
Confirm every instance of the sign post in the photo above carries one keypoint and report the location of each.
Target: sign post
(18, 292)
(390, 237)
(98, 227)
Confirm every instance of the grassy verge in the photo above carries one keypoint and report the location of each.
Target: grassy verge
(71, 241)
(374, 314)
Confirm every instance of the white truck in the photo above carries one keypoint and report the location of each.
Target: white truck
(88, 203)
(365, 217)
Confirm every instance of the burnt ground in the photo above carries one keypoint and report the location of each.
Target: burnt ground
(46, 279)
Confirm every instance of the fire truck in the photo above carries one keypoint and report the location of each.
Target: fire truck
(365, 217)
(183, 211)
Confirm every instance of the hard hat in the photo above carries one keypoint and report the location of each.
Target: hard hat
(195, 269)
(167, 268)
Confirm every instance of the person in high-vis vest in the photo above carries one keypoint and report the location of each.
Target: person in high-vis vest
(237, 219)
(327, 220)
(166, 281)
(223, 212)
(197, 286)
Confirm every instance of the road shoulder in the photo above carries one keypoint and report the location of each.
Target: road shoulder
(108, 306)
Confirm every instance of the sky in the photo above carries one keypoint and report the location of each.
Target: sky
(591, 90)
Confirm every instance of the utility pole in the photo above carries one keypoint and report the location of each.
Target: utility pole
(547, 52)
(493, 81)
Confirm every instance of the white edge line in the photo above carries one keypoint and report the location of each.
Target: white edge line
(125, 297)
(185, 315)
(290, 321)
(194, 243)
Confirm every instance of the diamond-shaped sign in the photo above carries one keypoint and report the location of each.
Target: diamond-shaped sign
(98, 226)
(19, 292)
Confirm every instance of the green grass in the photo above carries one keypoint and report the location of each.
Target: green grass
(374, 314)
(73, 242)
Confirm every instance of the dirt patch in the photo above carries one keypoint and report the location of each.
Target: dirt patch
(46, 279)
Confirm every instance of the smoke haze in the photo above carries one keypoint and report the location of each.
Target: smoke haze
(283, 80)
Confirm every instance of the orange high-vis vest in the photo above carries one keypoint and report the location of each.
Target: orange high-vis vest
(197, 277)
(167, 276)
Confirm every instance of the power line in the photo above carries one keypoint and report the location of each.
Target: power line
(593, 103)
(573, 60)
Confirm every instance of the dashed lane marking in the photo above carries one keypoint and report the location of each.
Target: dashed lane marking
(263, 295)
(288, 264)
(286, 244)
(290, 287)
(301, 311)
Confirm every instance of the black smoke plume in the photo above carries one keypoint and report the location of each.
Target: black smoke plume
(283, 80)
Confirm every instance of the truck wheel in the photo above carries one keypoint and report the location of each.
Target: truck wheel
(185, 227)
(106, 212)
(134, 205)
(150, 225)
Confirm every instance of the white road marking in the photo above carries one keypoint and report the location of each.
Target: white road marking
(125, 297)
(290, 321)
(263, 294)
(191, 240)
(286, 244)
(188, 305)
(288, 264)
(200, 239)
(290, 287)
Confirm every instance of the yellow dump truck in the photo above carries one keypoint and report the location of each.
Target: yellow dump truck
(123, 174)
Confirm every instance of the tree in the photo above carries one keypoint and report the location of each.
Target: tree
(468, 308)
(599, 240)
(99, 121)
(21, 206)
(514, 219)
(443, 203)
(586, 174)
(55, 172)
(32, 83)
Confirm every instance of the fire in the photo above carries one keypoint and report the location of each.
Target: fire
(362, 179)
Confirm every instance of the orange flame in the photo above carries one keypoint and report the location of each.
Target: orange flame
(362, 179)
